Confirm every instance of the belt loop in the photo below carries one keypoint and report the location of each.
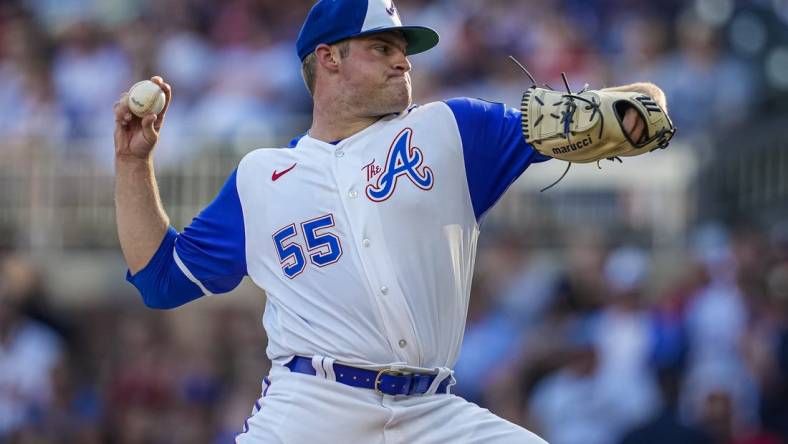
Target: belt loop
(328, 366)
(443, 373)
(317, 364)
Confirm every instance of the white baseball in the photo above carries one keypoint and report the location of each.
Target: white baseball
(146, 97)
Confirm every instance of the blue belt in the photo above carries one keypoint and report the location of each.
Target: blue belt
(386, 381)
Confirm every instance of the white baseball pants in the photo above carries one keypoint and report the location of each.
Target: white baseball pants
(297, 408)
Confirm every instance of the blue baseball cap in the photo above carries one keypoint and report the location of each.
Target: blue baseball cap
(330, 21)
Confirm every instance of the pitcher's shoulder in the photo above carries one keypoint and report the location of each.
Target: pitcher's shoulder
(433, 111)
(426, 109)
(267, 157)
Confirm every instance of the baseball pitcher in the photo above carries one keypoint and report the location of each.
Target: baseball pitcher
(363, 231)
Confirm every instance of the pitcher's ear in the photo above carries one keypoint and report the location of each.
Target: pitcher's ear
(327, 56)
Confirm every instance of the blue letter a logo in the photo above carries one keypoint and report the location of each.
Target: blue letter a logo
(403, 159)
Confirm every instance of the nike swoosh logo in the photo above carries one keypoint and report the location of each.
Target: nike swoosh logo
(276, 176)
(391, 11)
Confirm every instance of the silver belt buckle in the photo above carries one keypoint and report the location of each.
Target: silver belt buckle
(387, 371)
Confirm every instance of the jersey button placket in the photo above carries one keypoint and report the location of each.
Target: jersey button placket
(397, 322)
(391, 319)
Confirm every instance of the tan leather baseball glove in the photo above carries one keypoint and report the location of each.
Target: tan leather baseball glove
(588, 126)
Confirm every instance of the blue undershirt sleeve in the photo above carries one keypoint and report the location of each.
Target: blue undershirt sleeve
(208, 257)
(494, 148)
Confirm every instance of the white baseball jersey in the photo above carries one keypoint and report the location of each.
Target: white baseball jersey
(364, 247)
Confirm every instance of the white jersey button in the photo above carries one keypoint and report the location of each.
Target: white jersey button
(365, 242)
(402, 343)
(384, 289)
(352, 194)
(339, 153)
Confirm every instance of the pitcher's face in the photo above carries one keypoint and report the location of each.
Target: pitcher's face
(376, 74)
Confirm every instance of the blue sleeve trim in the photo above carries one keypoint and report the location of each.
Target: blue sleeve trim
(161, 283)
(213, 246)
(494, 149)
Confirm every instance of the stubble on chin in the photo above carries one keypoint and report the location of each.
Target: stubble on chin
(379, 99)
(393, 99)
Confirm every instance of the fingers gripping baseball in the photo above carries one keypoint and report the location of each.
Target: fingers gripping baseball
(137, 136)
(168, 97)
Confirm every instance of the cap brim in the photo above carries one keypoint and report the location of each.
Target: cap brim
(420, 38)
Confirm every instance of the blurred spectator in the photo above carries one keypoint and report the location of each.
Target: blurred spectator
(29, 351)
(667, 427)
(774, 405)
(570, 406)
(717, 372)
(624, 340)
(697, 71)
(25, 85)
(88, 73)
(510, 293)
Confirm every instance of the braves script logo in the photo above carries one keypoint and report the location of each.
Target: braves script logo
(403, 159)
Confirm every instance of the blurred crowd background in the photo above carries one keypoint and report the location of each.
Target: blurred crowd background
(643, 303)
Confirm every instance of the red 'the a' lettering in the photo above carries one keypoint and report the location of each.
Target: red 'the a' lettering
(372, 170)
